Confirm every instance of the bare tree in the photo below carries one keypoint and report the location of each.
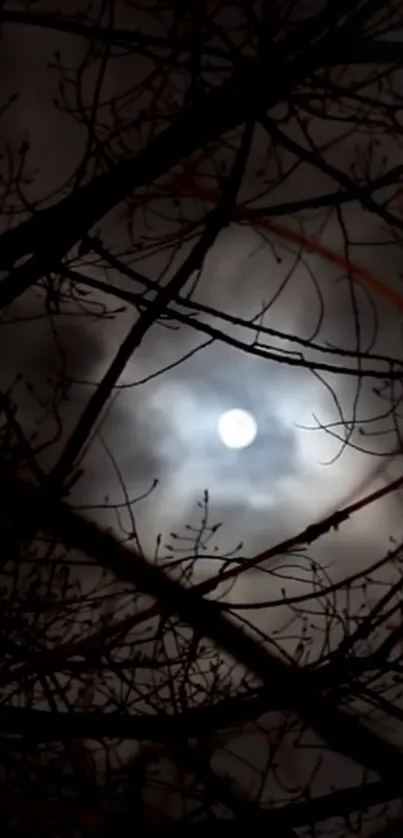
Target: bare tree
(136, 696)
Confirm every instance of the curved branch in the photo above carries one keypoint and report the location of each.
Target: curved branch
(250, 348)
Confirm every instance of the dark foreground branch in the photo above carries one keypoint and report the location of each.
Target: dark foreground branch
(46, 726)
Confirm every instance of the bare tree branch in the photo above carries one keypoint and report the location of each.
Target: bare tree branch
(340, 730)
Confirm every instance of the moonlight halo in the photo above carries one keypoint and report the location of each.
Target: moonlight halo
(237, 428)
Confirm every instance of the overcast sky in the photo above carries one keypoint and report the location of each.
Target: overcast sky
(165, 429)
(162, 425)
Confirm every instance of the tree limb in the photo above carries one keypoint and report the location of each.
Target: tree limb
(290, 685)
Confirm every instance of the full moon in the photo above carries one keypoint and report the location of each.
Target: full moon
(237, 428)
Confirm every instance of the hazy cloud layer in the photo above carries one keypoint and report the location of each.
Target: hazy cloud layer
(166, 427)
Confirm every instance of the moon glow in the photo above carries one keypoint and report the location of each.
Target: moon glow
(237, 429)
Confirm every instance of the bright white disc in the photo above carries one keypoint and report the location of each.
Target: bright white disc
(237, 428)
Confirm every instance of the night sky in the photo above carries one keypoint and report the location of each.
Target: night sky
(165, 429)
(321, 441)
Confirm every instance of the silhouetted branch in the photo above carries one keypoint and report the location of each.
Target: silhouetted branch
(341, 731)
